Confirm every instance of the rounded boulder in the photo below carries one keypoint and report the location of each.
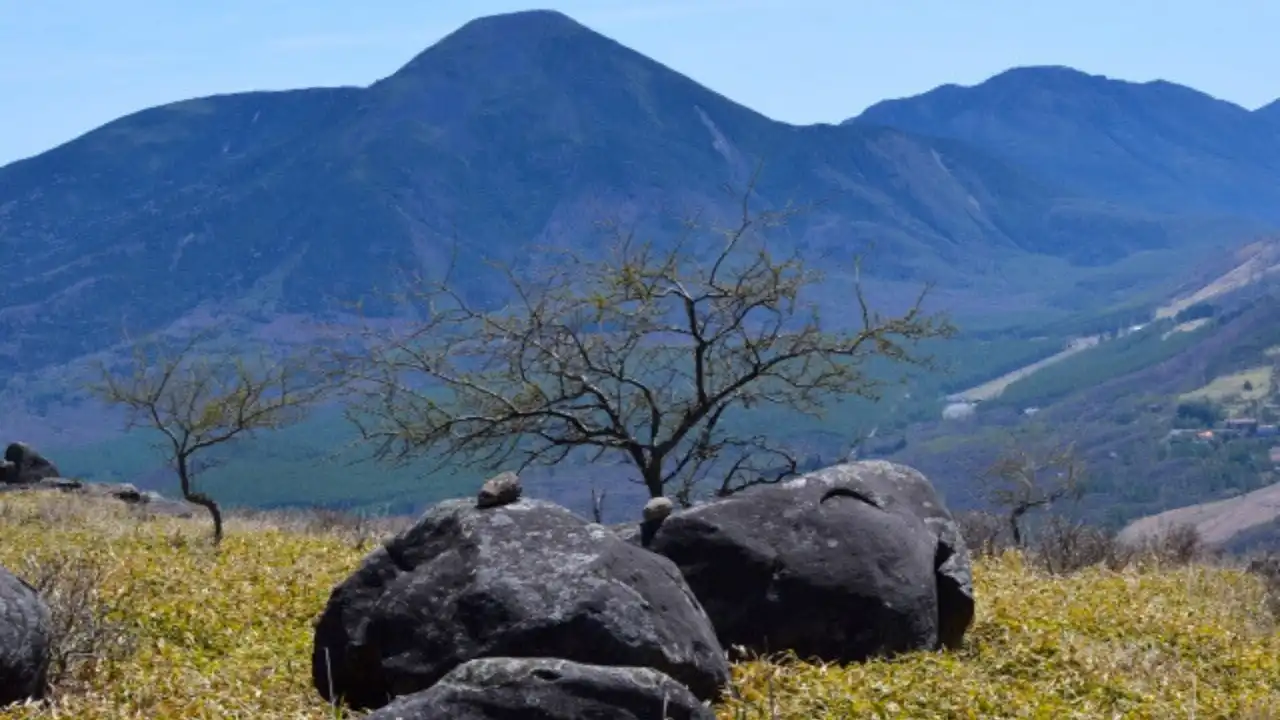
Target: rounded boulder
(528, 579)
(24, 641)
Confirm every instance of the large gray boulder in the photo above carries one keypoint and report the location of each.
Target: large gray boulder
(24, 641)
(905, 488)
(851, 562)
(23, 465)
(528, 579)
(548, 689)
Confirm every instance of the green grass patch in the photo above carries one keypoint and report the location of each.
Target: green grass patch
(1237, 390)
(1109, 360)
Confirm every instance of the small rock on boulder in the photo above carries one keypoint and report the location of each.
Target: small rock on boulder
(500, 688)
(529, 579)
(499, 490)
(841, 565)
(24, 641)
(657, 509)
(26, 466)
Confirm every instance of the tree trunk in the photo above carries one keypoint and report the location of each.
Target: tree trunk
(1014, 528)
(652, 473)
(198, 498)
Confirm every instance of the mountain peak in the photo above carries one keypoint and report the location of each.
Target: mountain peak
(1044, 73)
(1101, 136)
(1044, 82)
(514, 33)
(522, 25)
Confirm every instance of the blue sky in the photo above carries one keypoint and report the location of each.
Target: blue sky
(67, 66)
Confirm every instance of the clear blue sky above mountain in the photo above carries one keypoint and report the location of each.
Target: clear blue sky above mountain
(67, 66)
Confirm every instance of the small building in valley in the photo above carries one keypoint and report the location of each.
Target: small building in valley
(959, 411)
(1244, 426)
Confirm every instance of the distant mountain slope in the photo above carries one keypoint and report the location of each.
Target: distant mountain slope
(512, 129)
(1220, 523)
(1270, 112)
(1162, 146)
(1258, 262)
(1117, 403)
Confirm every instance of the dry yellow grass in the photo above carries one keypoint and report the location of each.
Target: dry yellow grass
(228, 635)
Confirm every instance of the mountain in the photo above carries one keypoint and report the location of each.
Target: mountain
(1270, 113)
(274, 206)
(1155, 145)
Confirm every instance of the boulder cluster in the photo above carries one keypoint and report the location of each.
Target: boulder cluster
(23, 468)
(489, 607)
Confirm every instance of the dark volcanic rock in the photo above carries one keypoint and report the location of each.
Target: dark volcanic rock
(27, 465)
(842, 564)
(907, 488)
(24, 641)
(529, 579)
(548, 689)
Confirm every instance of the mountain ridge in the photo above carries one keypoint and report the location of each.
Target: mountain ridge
(510, 131)
(1158, 145)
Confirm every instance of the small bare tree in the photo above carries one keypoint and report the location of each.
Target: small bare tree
(643, 350)
(1022, 480)
(199, 401)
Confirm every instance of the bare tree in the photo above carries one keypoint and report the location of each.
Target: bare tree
(199, 401)
(1022, 480)
(643, 350)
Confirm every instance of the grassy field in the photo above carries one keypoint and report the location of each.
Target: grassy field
(171, 629)
(992, 388)
(1111, 359)
(1237, 389)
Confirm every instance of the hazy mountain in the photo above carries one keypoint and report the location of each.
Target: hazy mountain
(1270, 112)
(1157, 145)
(512, 129)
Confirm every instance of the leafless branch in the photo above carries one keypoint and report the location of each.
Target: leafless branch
(642, 350)
(1022, 480)
(201, 399)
